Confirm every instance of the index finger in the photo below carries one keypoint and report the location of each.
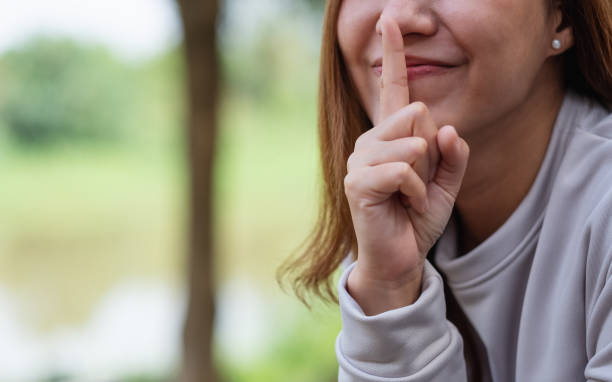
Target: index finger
(394, 93)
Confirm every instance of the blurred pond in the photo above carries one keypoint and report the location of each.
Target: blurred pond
(93, 205)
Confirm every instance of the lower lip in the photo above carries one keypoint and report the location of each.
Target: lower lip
(419, 71)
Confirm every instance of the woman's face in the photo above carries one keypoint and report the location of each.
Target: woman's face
(472, 62)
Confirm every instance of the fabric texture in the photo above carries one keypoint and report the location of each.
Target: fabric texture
(537, 291)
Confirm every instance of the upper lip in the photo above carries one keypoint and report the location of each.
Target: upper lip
(417, 61)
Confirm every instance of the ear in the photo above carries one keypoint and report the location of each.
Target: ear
(560, 30)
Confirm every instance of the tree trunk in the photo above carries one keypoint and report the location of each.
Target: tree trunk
(199, 25)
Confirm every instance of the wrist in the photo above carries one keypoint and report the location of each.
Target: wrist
(376, 296)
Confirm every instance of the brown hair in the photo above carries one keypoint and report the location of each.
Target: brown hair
(587, 69)
(341, 120)
(588, 65)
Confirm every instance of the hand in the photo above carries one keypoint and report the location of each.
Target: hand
(398, 214)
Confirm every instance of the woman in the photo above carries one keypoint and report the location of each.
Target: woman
(492, 270)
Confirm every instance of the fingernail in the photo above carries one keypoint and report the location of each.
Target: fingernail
(379, 25)
(422, 145)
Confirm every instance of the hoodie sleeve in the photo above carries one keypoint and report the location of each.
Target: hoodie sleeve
(412, 343)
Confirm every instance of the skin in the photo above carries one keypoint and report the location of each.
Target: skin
(486, 71)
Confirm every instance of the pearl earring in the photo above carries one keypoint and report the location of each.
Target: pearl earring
(556, 44)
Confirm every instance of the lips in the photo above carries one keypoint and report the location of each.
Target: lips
(418, 67)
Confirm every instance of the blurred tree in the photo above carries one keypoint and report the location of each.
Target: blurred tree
(199, 25)
(55, 91)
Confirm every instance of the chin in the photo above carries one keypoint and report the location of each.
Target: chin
(444, 115)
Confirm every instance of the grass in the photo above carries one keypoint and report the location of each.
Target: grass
(93, 216)
(266, 190)
(75, 220)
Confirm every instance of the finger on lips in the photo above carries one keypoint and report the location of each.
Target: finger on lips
(395, 97)
(396, 154)
(394, 92)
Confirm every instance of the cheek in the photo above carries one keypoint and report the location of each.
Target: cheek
(358, 42)
(356, 23)
(503, 43)
(497, 32)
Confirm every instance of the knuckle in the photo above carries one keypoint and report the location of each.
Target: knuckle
(350, 163)
(403, 170)
(466, 148)
(360, 141)
(419, 108)
(420, 144)
(349, 184)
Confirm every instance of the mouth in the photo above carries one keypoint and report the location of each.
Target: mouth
(418, 67)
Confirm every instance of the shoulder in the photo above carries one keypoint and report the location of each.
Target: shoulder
(586, 168)
(589, 122)
(581, 198)
(586, 116)
(585, 171)
(593, 118)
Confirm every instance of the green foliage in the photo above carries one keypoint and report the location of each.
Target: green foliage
(92, 199)
(117, 210)
(58, 90)
(276, 66)
(303, 352)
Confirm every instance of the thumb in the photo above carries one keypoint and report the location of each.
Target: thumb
(454, 153)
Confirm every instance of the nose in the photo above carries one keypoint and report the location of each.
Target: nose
(414, 17)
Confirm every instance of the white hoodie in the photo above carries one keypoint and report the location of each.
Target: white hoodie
(537, 291)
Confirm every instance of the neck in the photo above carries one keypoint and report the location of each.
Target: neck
(504, 163)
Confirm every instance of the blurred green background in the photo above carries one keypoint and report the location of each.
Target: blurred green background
(93, 202)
